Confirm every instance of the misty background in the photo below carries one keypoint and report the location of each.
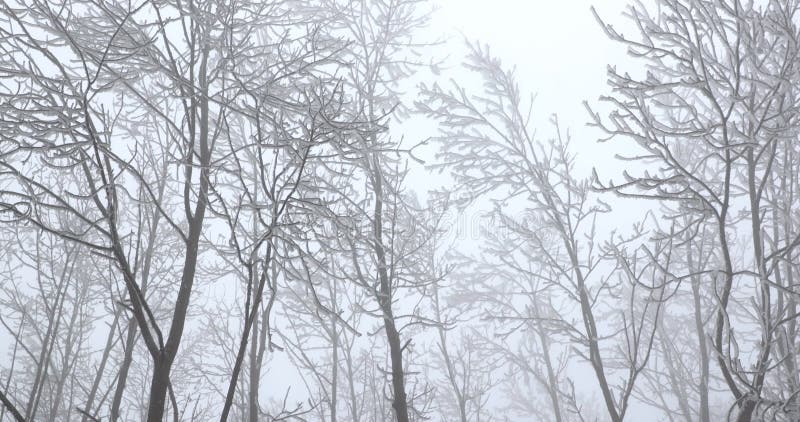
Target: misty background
(399, 210)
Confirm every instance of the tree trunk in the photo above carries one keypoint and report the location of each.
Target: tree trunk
(124, 368)
(101, 369)
(159, 383)
(399, 401)
(255, 372)
(701, 343)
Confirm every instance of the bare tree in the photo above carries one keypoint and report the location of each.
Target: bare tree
(714, 111)
(487, 144)
(379, 34)
(103, 46)
(196, 195)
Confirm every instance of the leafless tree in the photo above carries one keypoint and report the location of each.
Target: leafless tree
(715, 111)
(489, 147)
(196, 195)
(379, 34)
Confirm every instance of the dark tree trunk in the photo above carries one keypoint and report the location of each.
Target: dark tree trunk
(159, 384)
(123, 370)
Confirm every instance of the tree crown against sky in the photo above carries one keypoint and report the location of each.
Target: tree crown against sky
(315, 210)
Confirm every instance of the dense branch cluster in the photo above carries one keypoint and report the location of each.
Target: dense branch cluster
(205, 214)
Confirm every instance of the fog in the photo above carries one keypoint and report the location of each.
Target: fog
(399, 210)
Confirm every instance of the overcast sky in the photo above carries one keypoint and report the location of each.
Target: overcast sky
(558, 49)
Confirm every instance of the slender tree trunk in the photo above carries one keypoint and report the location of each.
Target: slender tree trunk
(335, 357)
(11, 372)
(162, 364)
(251, 313)
(786, 341)
(351, 385)
(255, 370)
(724, 295)
(765, 314)
(101, 369)
(448, 361)
(552, 380)
(702, 348)
(676, 383)
(11, 408)
(130, 340)
(125, 366)
(68, 357)
(399, 401)
(592, 337)
(54, 322)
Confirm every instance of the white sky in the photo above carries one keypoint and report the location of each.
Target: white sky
(560, 51)
(560, 54)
